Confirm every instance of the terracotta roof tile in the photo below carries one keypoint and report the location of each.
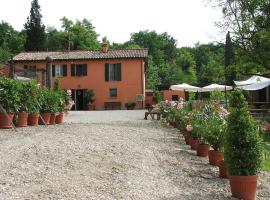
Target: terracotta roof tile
(82, 55)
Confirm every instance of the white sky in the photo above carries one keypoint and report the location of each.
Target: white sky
(188, 21)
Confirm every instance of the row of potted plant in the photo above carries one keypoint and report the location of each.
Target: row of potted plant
(27, 103)
(230, 140)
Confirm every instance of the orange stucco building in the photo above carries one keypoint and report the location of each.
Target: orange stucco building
(4, 70)
(116, 76)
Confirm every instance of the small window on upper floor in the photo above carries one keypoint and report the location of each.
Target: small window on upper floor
(59, 70)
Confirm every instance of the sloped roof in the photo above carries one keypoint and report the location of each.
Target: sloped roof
(82, 55)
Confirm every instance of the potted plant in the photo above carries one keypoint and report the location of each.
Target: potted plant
(62, 102)
(25, 95)
(34, 105)
(199, 126)
(48, 106)
(214, 132)
(195, 118)
(9, 100)
(243, 153)
(89, 99)
(130, 105)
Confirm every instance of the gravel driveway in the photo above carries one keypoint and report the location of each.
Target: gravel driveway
(107, 155)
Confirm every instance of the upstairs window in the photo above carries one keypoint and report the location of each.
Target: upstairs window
(30, 71)
(59, 70)
(113, 72)
(79, 70)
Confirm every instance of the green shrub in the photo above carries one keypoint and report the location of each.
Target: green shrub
(243, 152)
(130, 105)
(9, 96)
(49, 101)
(89, 96)
(29, 96)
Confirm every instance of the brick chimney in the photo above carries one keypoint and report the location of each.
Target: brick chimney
(105, 47)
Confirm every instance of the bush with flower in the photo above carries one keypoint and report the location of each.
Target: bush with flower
(215, 126)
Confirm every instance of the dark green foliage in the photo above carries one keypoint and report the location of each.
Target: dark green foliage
(250, 22)
(34, 97)
(130, 105)
(11, 41)
(49, 101)
(89, 96)
(242, 148)
(35, 30)
(228, 59)
(9, 95)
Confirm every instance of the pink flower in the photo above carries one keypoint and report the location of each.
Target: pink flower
(189, 128)
(266, 127)
(69, 92)
(180, 106)
(173, 103)
(223, 112)
(70, 104)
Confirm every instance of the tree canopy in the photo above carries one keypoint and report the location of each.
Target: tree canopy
(35, 30)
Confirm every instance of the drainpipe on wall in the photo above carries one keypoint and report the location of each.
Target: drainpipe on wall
(11, 69)
(49, 71)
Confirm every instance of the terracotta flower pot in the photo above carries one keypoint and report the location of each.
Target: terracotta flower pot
(244, 187)
(193, 143)
(22, 119)
(5, 122)
(215, 156)
(187, 139)
(52, 119)
(33, 119)
(203, 150)
(222, 169)
(59, 119)
(46, 117)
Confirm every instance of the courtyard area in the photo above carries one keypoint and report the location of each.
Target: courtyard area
(107, 155)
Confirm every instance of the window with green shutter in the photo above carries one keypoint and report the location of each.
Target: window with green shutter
(79, 70)
(113, 72)
(59, 70)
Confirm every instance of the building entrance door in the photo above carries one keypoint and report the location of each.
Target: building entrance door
(78, 98)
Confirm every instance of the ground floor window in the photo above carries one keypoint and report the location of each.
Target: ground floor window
(113, 92)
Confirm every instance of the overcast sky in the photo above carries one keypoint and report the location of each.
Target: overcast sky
(188, 21)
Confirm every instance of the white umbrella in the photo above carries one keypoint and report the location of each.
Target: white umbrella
(253, 83)
(216, 87)
(185, 87)
(252, 80)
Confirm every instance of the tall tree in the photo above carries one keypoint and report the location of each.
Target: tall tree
(11, 41)
(35, 30)
(228, 58)
(249, 21)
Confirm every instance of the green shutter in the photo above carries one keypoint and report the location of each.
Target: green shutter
(119, 72)
(53, 70)
(64, 70)
(78, 70)
(106, 72)
(73, 69)
(84, 70)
